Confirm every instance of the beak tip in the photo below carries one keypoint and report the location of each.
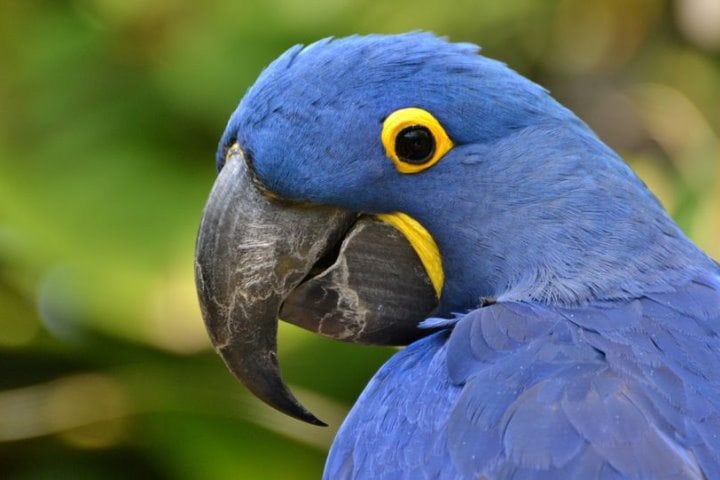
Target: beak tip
(313, 420)
(261, 375)
(306, 416)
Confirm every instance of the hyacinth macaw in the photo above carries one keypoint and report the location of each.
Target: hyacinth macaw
(403, 189)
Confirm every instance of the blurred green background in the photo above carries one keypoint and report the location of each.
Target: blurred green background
(110, 111)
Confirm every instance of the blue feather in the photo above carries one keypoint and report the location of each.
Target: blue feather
(530, 391)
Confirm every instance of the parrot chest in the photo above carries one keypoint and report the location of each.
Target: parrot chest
(522, 389)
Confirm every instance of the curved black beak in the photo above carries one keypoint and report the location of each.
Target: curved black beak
(320, 267)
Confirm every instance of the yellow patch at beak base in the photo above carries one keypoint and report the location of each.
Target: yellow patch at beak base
(422, 242)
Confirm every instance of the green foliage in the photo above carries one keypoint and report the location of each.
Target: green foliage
(110, 111)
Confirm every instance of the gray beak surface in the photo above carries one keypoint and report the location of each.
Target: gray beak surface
(322, 268)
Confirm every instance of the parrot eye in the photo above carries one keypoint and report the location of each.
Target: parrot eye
(414, 139)
(414, 145)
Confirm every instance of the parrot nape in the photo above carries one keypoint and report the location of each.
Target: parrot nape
(405, 190)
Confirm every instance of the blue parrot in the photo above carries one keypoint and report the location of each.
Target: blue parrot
(402, 189)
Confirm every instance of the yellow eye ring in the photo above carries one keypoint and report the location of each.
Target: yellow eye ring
(414, 139)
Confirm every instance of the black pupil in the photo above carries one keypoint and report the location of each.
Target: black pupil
(415, 144)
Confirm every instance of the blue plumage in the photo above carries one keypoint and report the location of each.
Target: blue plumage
(595, 354)
(609, 390)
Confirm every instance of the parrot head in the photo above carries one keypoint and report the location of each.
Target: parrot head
(366, 183)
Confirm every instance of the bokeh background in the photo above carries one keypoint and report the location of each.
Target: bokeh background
(110, 111)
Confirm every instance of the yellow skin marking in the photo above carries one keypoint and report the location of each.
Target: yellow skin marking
(423, 244)
(420, 239)
(410, 117)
